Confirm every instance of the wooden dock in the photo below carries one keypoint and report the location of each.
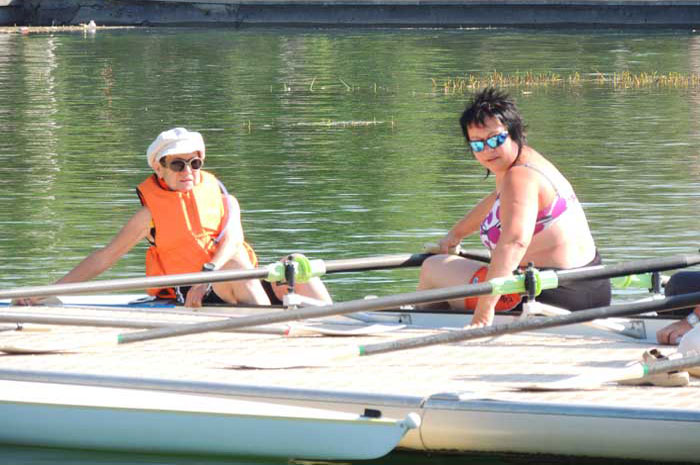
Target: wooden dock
(480, 376)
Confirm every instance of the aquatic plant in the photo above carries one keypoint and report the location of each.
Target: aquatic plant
(624, 79)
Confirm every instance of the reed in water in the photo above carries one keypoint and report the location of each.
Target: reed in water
(623, 79)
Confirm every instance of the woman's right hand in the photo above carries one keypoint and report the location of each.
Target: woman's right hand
(449, 243)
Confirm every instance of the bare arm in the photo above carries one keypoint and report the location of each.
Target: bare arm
(102, 259)
(468, 224)
(230, 245)
(519, 205)
(233, 237)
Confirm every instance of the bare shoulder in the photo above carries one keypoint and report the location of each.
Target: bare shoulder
(233, 201)
(520, 175)
(143, 216)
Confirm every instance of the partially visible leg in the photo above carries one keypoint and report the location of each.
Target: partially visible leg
(314, 288)
(446, 271)
(241, 292)
(683, 282)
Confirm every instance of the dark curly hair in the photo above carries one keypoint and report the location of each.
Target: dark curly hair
(492, 103)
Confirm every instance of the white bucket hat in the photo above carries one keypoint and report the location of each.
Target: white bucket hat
(174, 141)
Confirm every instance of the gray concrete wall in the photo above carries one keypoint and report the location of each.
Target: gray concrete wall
(11, 12)
(364, 13)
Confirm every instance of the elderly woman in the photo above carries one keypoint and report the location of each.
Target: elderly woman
(192, 225)
(533, 215)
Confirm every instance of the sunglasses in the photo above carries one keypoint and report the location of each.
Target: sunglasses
(493, 142)
(179, 165)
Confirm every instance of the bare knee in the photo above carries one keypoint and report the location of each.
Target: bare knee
(240, 260)
(429, 269)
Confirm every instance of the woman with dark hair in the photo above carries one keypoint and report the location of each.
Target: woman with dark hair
(533, 215)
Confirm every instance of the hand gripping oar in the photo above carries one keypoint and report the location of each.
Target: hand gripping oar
(546, 279)
(479, 256)
(273, 272)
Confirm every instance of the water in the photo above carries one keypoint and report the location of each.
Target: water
(337, 143)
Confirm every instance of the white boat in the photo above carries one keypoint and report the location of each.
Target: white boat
(473, 410)
(105, 418)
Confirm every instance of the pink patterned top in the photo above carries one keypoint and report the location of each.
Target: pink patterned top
(490, 230)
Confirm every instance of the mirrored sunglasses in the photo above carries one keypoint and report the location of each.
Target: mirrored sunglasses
(493, 142)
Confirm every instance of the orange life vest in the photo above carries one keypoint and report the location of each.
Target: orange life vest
(186, 227)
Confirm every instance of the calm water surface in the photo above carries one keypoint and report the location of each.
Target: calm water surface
(337, 144)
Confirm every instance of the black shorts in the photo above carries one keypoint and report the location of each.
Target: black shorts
(267, 285)
(209, 298)
(579, 295)
(683, 282)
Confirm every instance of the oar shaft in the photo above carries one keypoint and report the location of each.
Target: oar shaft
(627, 268)
(393, 261)
(89, 287)
(664, 366)
(380, 303)
(99, 322)
(420, 297)
(581, 316)
(332, 266)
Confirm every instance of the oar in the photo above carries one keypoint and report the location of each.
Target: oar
(331, 266)
(290, 330)
(546, 279)
(498, 286)
(634, 371)
(581, 316)
(479, 256)
(495, 286)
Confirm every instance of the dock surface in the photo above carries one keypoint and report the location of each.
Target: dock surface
(488, 368)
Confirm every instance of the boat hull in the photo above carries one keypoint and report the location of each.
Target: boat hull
(100, 418)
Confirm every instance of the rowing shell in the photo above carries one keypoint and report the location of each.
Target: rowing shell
(134, 420)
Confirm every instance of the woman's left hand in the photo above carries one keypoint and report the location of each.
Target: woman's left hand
(476, 324)
(195, 295)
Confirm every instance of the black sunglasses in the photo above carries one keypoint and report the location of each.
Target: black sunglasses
(178, 165)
